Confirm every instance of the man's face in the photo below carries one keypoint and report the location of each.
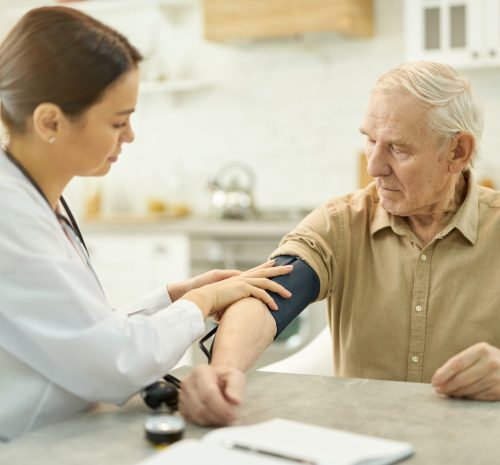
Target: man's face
(408, 160)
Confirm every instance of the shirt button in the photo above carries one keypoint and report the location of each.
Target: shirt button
(423, 257)
(414, 359)
(418, 308)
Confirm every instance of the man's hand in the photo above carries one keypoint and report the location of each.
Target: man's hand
(473, 374)
(210, 395)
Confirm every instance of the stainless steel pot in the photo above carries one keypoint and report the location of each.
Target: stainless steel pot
(232, 192)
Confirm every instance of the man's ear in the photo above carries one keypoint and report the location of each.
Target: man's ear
(462, 149)
(46, 121)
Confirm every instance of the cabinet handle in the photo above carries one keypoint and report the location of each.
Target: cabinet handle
(493, 53)
(475, 54)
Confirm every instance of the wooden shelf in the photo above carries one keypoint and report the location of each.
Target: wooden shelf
(257, 19)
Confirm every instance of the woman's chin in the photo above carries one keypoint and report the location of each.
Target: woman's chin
(102, 171)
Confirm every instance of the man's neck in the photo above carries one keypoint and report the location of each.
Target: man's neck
(427, 226)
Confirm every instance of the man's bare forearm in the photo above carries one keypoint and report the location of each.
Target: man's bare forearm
(245, 330)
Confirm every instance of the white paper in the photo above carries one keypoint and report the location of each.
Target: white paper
(312, 444)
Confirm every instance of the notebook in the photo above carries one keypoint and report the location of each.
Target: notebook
(282, 442)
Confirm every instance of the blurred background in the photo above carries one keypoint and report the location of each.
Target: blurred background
(248, 118)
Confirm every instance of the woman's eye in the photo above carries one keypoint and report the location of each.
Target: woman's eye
(119, 125)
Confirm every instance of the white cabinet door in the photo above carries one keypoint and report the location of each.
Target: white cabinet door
(462, 33)
(492, 39)
(131, 265)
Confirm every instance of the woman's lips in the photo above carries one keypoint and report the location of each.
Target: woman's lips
(114, 158)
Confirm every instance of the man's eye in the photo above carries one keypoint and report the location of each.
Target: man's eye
(119, 125)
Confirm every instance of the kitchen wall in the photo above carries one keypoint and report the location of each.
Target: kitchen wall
(289, 108)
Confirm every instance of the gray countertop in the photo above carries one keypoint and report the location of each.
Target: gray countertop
(442, 431)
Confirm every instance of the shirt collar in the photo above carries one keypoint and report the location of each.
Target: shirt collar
(465, 220)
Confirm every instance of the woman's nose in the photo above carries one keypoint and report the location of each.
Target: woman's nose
(128, 135)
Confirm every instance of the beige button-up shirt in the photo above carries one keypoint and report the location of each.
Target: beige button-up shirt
(398, 311)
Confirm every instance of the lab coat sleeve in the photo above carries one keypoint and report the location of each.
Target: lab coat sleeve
(151, 303)
(54, 317)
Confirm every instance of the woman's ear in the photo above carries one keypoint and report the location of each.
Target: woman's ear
(462, 150)
(46, 121)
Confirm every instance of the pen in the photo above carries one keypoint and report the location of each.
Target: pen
(258, 450)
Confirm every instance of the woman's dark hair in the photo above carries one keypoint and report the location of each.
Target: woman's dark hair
(62, 56)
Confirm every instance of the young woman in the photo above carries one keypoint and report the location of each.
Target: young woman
(68, 85)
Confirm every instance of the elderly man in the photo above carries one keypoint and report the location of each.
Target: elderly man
(408, 265)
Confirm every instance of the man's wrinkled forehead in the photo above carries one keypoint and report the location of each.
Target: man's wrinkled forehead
(396, 112)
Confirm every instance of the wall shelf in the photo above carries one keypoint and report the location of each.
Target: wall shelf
(227, 20)
(145, 23)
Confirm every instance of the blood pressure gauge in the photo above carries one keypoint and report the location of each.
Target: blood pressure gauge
(164, 428)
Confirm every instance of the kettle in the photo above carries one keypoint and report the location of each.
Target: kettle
(232, 192)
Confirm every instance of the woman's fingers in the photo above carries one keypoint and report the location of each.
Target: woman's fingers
(267, 284)
(267, 264)
(258, 287)
(221, 275)
(261, 294)
(216, 297)
(268, 272)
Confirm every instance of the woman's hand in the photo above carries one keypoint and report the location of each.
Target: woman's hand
(177, 290)
(214, 298)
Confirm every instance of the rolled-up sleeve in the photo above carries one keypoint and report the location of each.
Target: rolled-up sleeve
(318, 241)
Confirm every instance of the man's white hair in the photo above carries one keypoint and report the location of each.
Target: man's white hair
(454, 106)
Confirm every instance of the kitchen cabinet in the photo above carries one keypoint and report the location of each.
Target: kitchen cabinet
(257, 19)
(131, 265)
(462, 33)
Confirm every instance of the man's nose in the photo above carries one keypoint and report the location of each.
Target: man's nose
(377, 161)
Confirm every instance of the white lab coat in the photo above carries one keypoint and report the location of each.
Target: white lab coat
(62, 348)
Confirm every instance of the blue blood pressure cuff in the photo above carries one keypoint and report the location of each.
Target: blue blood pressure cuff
(302, 282)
